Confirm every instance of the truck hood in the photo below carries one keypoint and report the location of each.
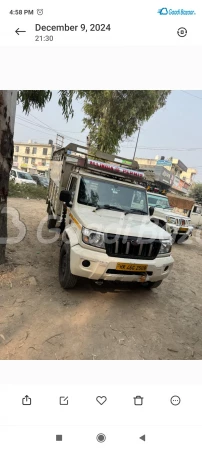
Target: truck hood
(170, 213)
(115, 222)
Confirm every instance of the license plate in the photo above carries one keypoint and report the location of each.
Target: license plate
(132, 267)
(183, 229)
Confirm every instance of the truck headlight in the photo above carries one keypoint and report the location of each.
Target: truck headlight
(92, 237)
(171, 220)
(166, 246)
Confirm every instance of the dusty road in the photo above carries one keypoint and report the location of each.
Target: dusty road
(39, 320)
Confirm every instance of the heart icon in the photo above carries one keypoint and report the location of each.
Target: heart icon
(101, 400)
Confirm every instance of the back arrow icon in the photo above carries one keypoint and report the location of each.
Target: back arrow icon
(19, 31)
(143, 438)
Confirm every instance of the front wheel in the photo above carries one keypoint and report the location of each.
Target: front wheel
(181, 238)
(66, 278)
(51, 222)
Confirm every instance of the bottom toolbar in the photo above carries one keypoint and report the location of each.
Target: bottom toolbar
(90, 438)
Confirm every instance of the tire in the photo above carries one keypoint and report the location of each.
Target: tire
(152, 285)
(180, 239)
(67, 280)
(51, 222)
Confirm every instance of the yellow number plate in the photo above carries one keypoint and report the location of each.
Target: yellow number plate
(132, 267)
(183, 229)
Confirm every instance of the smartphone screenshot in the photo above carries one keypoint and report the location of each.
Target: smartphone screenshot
(100, 225)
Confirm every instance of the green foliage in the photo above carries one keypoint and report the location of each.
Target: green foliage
(27, 191)
(33, 99)
(196, 192)
(65, 101)
(110, 116)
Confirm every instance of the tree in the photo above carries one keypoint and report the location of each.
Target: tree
(110, 117)
(7, 120)
(196, 192)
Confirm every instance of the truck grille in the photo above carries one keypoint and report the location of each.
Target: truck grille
(132, 248)
(184, 222)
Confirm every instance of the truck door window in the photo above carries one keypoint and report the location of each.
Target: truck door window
(72, 187)
(197, 210)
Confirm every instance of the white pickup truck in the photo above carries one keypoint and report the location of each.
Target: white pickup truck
(104, 219)
(177, 225)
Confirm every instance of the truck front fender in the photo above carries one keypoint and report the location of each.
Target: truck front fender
(69, 235)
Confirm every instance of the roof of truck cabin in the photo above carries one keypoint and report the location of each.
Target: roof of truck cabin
(85, 172)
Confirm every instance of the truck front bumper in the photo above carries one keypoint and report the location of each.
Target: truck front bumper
(179, 230)
(103, 267)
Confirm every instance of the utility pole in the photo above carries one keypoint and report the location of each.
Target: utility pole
(88, 141)
(136, 144)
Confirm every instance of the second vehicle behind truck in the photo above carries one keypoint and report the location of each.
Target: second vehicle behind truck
(177, 225)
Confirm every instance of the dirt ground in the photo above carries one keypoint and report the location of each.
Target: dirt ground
(39, 320)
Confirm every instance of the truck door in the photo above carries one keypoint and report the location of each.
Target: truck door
(196, 215)
(72, 189)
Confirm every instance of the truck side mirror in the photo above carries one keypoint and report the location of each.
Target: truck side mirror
(151, 210)
(65, 197)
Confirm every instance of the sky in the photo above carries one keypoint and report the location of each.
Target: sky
(175, 130)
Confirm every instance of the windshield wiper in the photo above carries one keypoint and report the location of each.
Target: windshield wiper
(115, 208)
(135, 211)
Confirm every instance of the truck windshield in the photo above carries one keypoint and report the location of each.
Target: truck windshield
(157, 201)
(95, 192)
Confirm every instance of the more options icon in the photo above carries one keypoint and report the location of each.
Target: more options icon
(175, 400)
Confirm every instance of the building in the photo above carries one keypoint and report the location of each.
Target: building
(33, 157)
(189, 175)
(181, 177)
(170, 173)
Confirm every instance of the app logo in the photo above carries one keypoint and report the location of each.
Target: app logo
(163, 11)
(176, 12)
